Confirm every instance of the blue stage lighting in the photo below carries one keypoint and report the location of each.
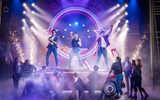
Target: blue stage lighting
(33, 4)
(23, 20)
(70, 24)
(76, 23)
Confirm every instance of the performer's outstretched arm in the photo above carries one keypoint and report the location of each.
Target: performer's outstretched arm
(71, 35)
(109, 32)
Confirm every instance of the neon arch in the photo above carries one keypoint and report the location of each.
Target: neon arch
(81, 10)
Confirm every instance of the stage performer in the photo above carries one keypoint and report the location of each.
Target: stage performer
(52, 47)
(103, 43)
(76, 43)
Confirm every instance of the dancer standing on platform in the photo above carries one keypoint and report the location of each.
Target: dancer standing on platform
(103, 43)
(52, 47)
(76, 43)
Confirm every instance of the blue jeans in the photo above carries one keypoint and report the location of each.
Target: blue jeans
(119, 78)
(50, 50)
(100, 52)
(75, 51)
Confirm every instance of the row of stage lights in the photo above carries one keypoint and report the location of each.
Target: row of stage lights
(75, 23)
(25, 12)
(126, 13)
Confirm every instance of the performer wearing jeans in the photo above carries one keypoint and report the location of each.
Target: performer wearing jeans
(103, 43)
(127, 69)
(117, 70)
(76, 43)
(52, 47)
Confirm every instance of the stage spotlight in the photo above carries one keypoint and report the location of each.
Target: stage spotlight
(63, 36)
(24, 4)
(118, 5)
(127, 21)
(32, 28)
(23, 20)
(88, 30)
(65, 30)
(76, 23)
(127, 29)
(118, 21)
(24, 12)
(32, 20)
(83, 25)
(23, 28)
(126, 5)
(89, 36)
(118, 29)
(70, 24)
(126, 13)
(118, 13)
(33, 4)
(33, 12)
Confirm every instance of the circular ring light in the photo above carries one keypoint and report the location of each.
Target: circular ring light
(76, 9)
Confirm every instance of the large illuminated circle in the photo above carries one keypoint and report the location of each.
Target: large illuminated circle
(78, 9)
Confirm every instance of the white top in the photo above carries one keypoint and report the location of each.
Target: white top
(52, 40)
(80, 43)
(103, 43)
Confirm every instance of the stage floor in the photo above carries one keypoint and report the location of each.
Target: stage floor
(7, 92)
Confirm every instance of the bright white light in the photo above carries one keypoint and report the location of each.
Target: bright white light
(33, 4)
(118, 21)
(32, 28)
(32, 20)
(23, 28)
(127, 21)
(89, 36)
(118, 13)
(70, 24)
(83, 25)
(88, 30)
(65, 30)
(63, 36)
(24, 4)
(33, 12)
(118, 5)
(76, 23)
(23, 20)
(118, 29)
(126, 13)
(127, 29)
(126, 5)
(24, 12)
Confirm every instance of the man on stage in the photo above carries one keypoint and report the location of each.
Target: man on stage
(103, 43)
(52, 47)
(76, 43)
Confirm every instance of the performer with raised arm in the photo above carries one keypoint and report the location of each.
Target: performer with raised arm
(103, 43)
(76, 43)
(52, 47)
